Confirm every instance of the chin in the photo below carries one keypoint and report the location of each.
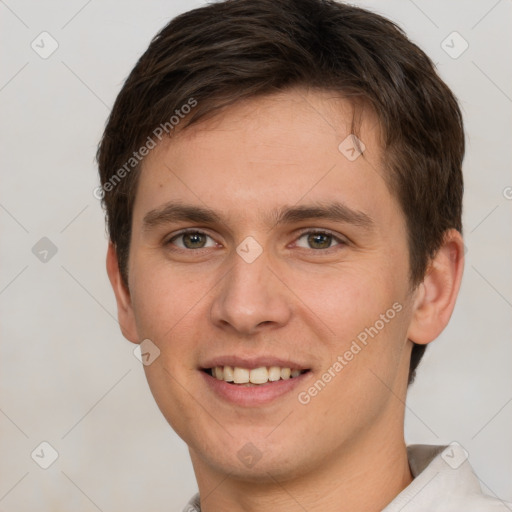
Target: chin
(254, 459)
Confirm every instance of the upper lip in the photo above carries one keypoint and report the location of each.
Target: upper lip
(252, 362)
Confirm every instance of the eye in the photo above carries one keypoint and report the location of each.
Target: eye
(191, 240)
(319, 240)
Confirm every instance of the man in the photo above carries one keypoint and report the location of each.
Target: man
(283, 189)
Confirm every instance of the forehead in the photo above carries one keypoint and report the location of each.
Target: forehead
(286, 148)
(282, 128)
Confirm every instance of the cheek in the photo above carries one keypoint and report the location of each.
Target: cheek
(167, 307)
(366, 314)
(347, 299)
(163, 298)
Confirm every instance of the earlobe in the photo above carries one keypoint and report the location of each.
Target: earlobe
(124, 305)
(436, 295)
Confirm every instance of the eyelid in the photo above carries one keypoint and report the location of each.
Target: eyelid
(339, 238)
(167, 240)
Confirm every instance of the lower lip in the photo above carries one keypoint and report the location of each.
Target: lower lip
(252, 396)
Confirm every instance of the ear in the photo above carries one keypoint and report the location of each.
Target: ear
(124, 306)
(436, 295)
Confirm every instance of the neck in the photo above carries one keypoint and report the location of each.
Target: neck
(365, 477)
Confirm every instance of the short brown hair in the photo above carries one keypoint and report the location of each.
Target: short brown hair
(236, 49)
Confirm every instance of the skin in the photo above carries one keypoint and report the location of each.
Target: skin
(345, 449)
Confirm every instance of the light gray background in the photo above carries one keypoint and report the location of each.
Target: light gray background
(68, 376)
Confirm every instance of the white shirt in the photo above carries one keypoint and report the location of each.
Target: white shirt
(443, 482)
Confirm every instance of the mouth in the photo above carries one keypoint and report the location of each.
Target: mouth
(253, 381)
(251, 377)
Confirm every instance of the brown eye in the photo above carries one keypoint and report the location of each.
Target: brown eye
(191, 240)
(319, 240)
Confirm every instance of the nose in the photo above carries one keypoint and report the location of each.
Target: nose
(251, 297)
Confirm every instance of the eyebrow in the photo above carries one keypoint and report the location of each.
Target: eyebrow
(337, 212)
(333, 211)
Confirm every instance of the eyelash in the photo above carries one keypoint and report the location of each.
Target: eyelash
(341, 242)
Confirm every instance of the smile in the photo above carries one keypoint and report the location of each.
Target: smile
(255, 376)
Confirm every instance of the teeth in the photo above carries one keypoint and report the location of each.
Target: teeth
(249, 377)
(228, 373)
(274, 373)
(241, 375)
(259, 375)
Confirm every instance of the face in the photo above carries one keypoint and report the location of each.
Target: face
(262, 241)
